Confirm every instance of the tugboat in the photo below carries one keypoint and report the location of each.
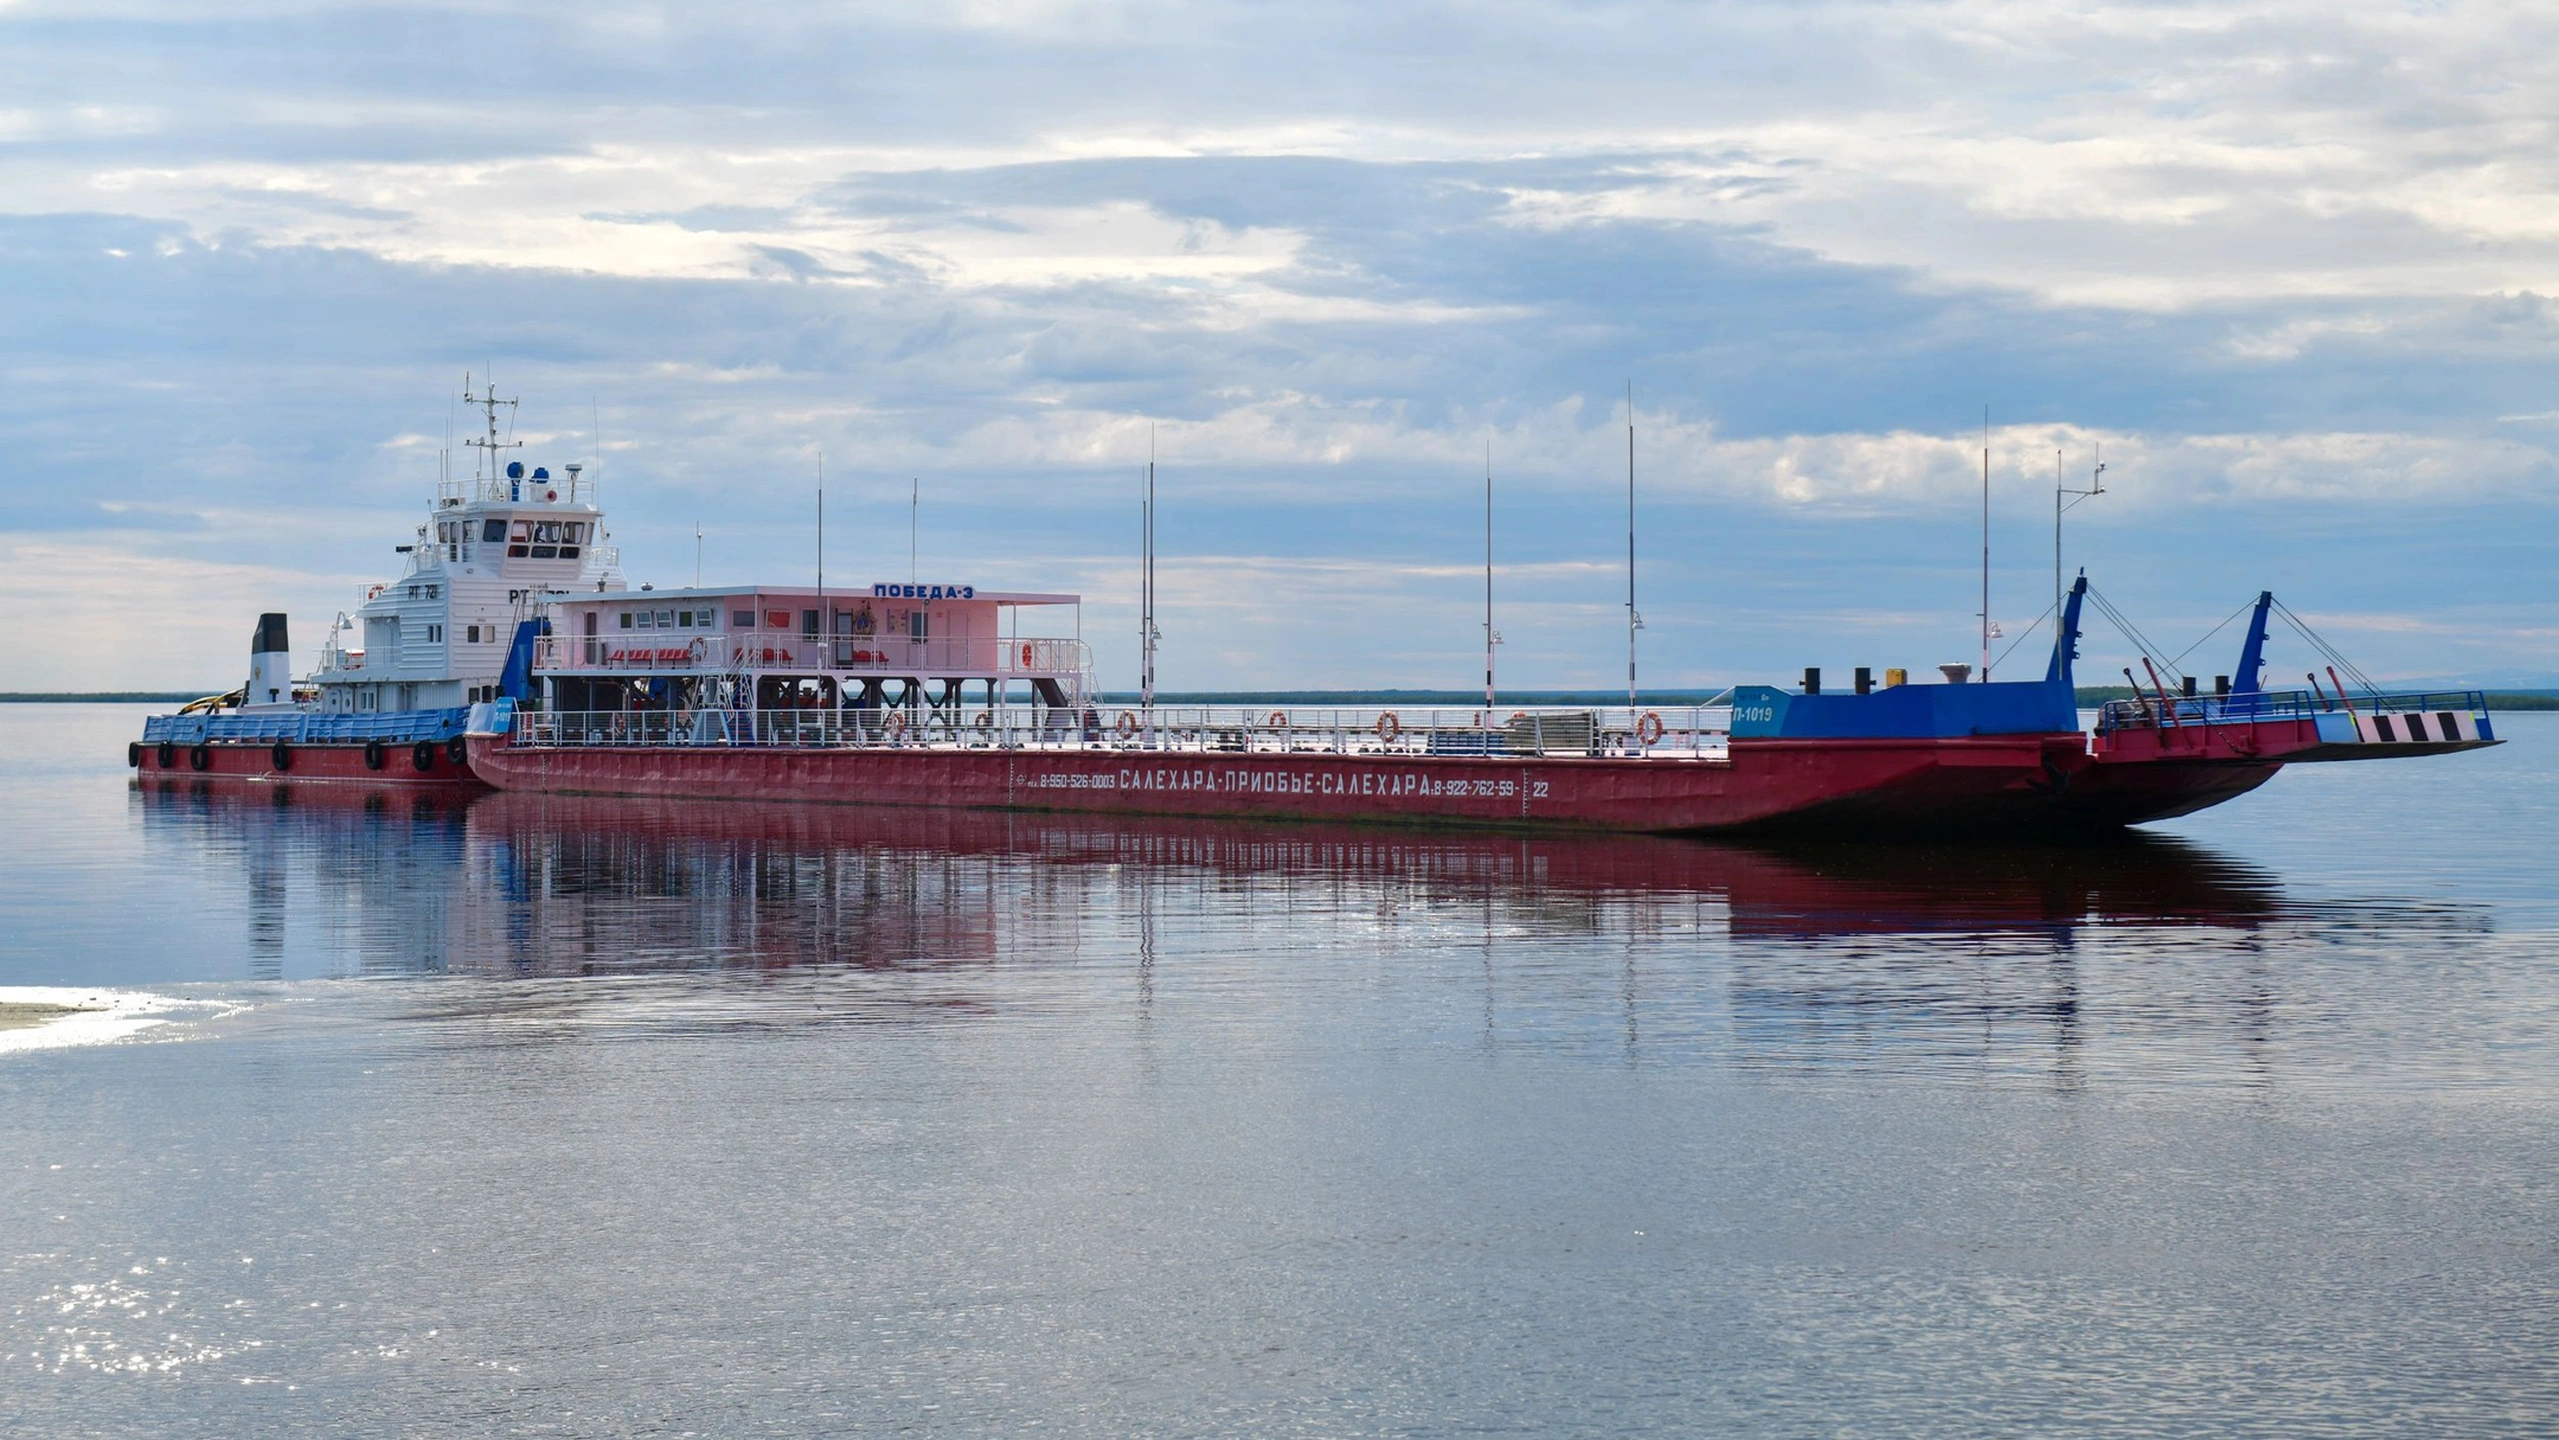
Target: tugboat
(446, 635)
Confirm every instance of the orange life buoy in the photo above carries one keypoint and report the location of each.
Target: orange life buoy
(1279, 720)
(1127, 725)
(1026, 656)
(895, 725)
(1649, 729)
(1388, 727)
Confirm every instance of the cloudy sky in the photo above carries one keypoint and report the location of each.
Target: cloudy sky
(2285, 262)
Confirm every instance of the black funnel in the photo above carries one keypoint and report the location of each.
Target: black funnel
(270, 639)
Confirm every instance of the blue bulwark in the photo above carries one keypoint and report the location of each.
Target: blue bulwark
(304, 727)
(1924, 712)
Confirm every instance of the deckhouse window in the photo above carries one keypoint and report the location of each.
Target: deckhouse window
(492, 531)
(648, 620)
(626, 619)
(741, 619)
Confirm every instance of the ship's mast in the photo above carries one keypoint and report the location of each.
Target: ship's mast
(1634, 619)
(2096, 487)
(489, 402)
(1146, 587)
(1492, 637)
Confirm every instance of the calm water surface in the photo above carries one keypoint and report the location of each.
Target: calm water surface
(602, 1118)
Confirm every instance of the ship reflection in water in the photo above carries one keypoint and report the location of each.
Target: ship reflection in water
(1636, 947)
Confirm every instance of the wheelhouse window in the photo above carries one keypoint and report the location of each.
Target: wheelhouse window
(492, 531)
(741, 619)
(626, 619)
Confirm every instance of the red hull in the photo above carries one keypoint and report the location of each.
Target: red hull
(1973, 782)
(311, 764)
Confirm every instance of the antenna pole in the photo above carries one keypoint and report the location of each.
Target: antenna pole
(1146, 585)
(824, 624)
(1634, 619)
(487, 400)
(2096, 487)
(1985, 544)
(697, 553)
(1490, 639)
(914, 501)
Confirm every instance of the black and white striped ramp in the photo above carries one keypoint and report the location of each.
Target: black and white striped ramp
(2440, 727)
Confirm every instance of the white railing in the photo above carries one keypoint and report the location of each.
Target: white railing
(1671, 733)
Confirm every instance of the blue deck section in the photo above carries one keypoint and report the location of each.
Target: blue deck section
(304, 727)
(1924, 712)
(1907, 712)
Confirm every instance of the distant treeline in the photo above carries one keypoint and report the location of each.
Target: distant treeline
(1418, 699)
(101, 697)
(2091, 696)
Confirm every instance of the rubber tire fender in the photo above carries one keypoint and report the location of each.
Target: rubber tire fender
(374, 755)
(281, 757)
(133, 755)
(456, 751)
(168, 755)
(200, 758)
(422, 756)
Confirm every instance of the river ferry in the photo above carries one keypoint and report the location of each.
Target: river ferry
(398, 676)
(905, 694)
